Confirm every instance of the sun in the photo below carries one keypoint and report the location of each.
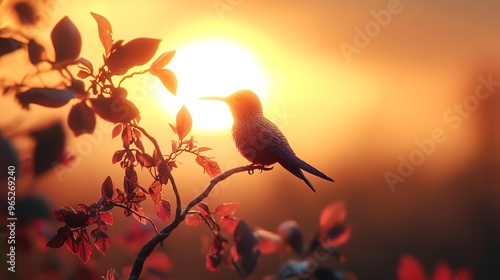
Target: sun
(212, 67)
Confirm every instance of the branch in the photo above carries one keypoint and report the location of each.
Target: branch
(148, 248)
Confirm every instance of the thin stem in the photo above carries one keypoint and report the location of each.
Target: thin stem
(142, 216)
(148, 248)
(131, 75)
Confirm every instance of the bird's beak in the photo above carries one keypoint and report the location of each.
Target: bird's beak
(213, 98)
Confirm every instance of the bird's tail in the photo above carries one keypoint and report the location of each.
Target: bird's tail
(309, 168)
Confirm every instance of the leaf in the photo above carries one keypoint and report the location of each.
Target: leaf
(203, 207)
(193, 219)
(110, 274)
(87, 64)
(118, 156)
(134, 53)
(47, 97)
(226, 209)
(409, 268)
(174, 129)
(292, 235)
(36, 52)
(184, 122)
(338, 236)
(59, 238)
(247, 247)
(332, 215)
(168, 79)
(102, 242)
(139, 211)
(145, 159)
(81, 119)
(117, 130)
(212, 262)
(210, 166)
(115, 110)
(107, 189)
(8, 45)
(269, 242)
(105, 31)
(163, 209)
(161, 61)
(203, 149)
(50, 145)
(66, 40)
(229, 223)
(106, 217)
(84, 247)
(26, 13)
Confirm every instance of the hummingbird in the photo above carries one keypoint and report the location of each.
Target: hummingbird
(259, 140)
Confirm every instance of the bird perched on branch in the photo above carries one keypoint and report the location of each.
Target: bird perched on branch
(259, 140)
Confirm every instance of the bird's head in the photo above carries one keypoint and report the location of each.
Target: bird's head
(244, 104)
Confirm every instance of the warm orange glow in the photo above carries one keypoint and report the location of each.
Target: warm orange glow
(212, 68)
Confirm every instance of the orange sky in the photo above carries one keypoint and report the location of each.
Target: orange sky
(351, 117)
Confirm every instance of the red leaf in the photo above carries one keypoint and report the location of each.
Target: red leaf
(71, 218)
(36, 52)
(184, 122)
(155, 191)
(331, 216)
(107, 189)
(163, 209)
(175, 145)
(117, 130)
(210, 166)
(203, 207)
(110, 274)
(47, 97)
(81, 119)
(193, 219)
(117, 156)
(269, 242)
(59, 238)
(174, 129)
(226, 209)
(84, 247)
(66, 40)
(246, 246)
(139, 211)
(145, 160)
(139, 145)
(410, 268)
(168, 79)
(116, 110)
(229, 223)
(161, 61)
(106, 217)
(87, 64)
(292, 235)
(212, 262)
(203, 149)
(340, 237)
(82, 74)
(102, 242)
(105, 31)
(71, 244)
(134, 53)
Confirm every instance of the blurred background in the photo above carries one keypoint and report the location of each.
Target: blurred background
(395, 100)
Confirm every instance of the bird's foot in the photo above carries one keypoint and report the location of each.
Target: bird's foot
(259, 167)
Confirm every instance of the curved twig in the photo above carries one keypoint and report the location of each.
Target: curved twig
(148, 248)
